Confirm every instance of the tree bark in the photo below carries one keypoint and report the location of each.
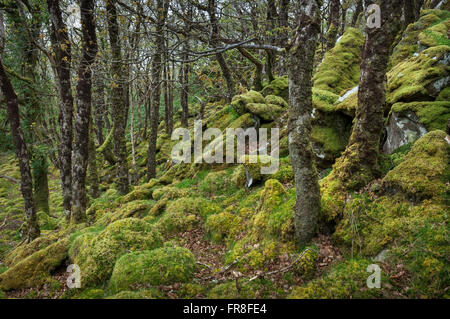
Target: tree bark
(62, 49)
(184, 83)
(83, 115)
(333, 29)
(357, 13)
(119, 107)
(301, 60)
(359, 163)
(26, 183)
(162, 8)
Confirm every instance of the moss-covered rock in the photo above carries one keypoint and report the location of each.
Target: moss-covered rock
(174, 222)
(254, 165)
(346, 280)
(96, 253)
(424, 171)
(137, 209)
(267, 112)
(24, 250)
(276, 100)
(278, 87)
(177, 172)
(34, 269)
(141, 192)
(340, 68)
(247, 290)
(144, 269)
(239, 102)
(193, 205)
(324, 100)
(221, 225)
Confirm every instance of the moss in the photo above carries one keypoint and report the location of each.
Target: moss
(306, 266)
(159, 207)
(349, 105)
(137, 209)
(221, 225)
(267, 112)
(247, 290)
(285, 173)
(424, 171)
(344, 281)
(433, 115)
(193, 205)
(191, 291)
(92, 293)
(253, 165)
(163, 266)
(174, 222)
(239, 102)
(278, 87)
(331, 141)
(143, 294)
(340, 68)
(244, 121)
(141, 192)
(238, 178)
(96, 253)
(177, 172)
(435, 35)
(408, 45)
(32, 270)
(24, 250)
(168, 192)
(217, 184)
(276, 100)
(416, 78)
(324, 100)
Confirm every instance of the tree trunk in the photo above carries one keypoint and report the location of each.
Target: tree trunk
(257, 82)
(359, 163)
(357, 13)
(62, 49)
(92, 164)
(333, 28)
(119, 107)
(162, 7)
(184, 94)
(26, 183)
(219, 56)
(83, 116)
(301, 60)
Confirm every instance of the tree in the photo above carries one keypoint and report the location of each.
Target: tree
(83, 115)
(26, 183)
(359, 163)
(333, 28)
(62, 49)
(118, 94)
(301, 59)
(162, 8)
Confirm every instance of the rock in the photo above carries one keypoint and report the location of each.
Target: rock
(402, 130)
(163, 266)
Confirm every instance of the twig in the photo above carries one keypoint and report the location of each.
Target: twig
(224, 270)
(4, 223)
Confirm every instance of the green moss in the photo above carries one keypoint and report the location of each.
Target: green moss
(276, 100)
(433, 115)
(324, 100)
(221, 225)
(161, 266)
(253, 165)
(435, 35)
(174, 222)
(424, 171)
(278, 87)
(24, 250)
(344, 281)
(340, 68)
(193, 205)
(93, 293)
(349, 105)
(169, 192)
(247, 290)
(191, 291)
(141, 192)
(267, 112)
(33, 270)
(137, 209)
(217, 184)
(177, 172)
(415, 78)
(244, 121)
(143, 294)
(285, 173)
(331, 141)
(96, 253)
(239, 102)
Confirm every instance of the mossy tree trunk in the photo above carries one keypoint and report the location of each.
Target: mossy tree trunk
(301, 60)
(39, 165)
(357, 13)
(26, 183)
(93, 177)
(358, 165)
(83, 115)
(118, 95)
(62, 48)
(333, 21)
(162, 8)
